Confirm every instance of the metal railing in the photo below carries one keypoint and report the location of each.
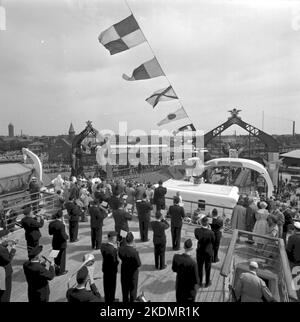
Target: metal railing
(190, 207)
(272, 259)
(43, 202)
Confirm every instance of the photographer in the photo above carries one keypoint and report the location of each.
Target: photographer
(80, 293)
(6, 256)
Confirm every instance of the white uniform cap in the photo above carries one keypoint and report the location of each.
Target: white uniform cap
(297, 225)
(253, 264)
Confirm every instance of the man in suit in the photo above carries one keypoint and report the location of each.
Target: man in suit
(97, 213)
(187, 274)
(250, 217)
(216, 227)
(74, 214)
(293, 246)
(121, 217)
(59, 242)
(37, 276)
(80, 294)
(129, 269)
(144, 208)
(6, 271)
(159, 225)
(205, 250)
(251, 288)
(176, 213)
(110, 266)
(31, 225)
(159, 196)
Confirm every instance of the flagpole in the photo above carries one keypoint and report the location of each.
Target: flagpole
(159, 64)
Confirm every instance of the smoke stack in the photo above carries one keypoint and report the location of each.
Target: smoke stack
(294, 126)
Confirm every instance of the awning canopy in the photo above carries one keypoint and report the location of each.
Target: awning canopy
(8, 170)
(295, 154)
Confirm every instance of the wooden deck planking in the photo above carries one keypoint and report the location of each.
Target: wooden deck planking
(157, 285)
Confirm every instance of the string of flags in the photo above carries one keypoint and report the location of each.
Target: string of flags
(127, 34)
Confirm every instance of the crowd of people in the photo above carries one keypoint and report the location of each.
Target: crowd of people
(97, 199)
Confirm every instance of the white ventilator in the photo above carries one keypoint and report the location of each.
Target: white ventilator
(37, 164)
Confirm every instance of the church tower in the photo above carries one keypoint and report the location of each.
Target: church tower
(71, 132)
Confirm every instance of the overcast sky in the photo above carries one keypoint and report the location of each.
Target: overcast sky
(217, 54)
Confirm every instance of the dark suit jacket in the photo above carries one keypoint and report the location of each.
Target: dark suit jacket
(139, 192)
(187, 275)
(100, 196)
(130, 260)
(293, 248)
(217, 224)
(73, 210)
(75, 295)
(31, 227)
(121, 218)
(159, 227)
(6, 258)
(58, 230)
(144, 210)
(159, 195)
(177, 214)
(97, 215)
(110, 258)
(37, 277)
(114, 202)
(206, 239)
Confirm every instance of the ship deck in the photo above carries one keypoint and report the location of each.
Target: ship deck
(157, 285)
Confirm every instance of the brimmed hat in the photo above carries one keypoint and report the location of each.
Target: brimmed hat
(253, 264)
(35, 251)
(112, 234)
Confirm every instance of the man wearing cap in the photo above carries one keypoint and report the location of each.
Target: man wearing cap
(6, 256)
(80, 293)
(205, 250)
(129, 269)
(159, 196)
(37, 276)
(293, 246)
(251, 288)
(144, 208)
(59, 242)
(176, 213)
(31, 225)
(110, 266)
(159, 225)
(187, 274)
